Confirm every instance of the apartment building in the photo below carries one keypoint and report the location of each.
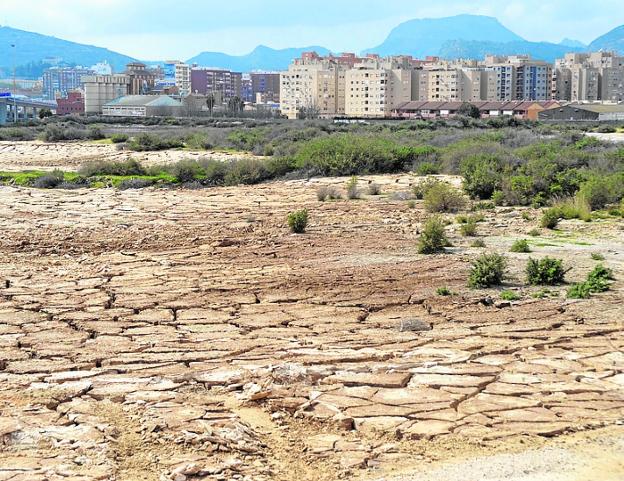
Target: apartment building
(59, 81)
(374, 91)
(312, 83)
(589, 77)
(265, 85)
(224, 84)
(183, 79)
(518, 77)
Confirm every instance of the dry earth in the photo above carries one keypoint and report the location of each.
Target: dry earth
(15, 156)
(187, 335)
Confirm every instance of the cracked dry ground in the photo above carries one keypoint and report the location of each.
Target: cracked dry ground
(187, 335)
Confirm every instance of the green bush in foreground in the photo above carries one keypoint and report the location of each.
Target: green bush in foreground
(509, 296)
(469, 229)
(545, 272)
(444, 291)
(521, 246)
(550, 218)
(119, 138)
(598, 280)
(433, 237)
(443, 197)
(298, 221)
(487, 270)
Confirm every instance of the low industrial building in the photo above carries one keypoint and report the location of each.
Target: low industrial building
(584, 112)
(144, 106)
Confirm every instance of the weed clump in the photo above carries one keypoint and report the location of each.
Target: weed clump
(298, 221)
(521, 246)
(433, 237)
(545, 272)
(327, 192)
(444, 291)
(509, 296)
(353, 192)
(598, 280)
(442, 197)
(487, 270)
(374, 189)
(550, 218)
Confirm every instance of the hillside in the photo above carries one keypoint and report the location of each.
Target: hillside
(261, 58)
(426, 36)
(613, 40)
(33, 48)
(472, 49)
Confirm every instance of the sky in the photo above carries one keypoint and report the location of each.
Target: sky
(159, 29)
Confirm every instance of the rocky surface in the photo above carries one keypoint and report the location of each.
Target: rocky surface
(187, 335)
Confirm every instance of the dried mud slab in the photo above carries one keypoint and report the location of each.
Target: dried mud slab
(187, 335)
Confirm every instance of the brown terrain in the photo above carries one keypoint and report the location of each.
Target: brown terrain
(188, 335)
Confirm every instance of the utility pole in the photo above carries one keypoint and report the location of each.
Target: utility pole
(14, 85)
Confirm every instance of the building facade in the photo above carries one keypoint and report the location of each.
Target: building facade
(59, 81)
(101, 89)
(265, 85)
(74, 104)
(221, 83)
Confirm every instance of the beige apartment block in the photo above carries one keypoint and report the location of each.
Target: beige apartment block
(183, 79)
(375, 92)
(442, 85)
(312, 85)
(589, 77)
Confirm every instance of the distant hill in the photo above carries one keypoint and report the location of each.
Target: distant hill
(427, 36)
(471, 49)
(33, 49)
(261, 58)
(613, 40)
(569, 42)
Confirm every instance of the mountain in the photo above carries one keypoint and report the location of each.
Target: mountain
(426, 36)
(33, 48)
(261, 58)
(570, 42)
(614, 40)
(473, 49)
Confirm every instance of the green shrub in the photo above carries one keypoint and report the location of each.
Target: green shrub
(597, 256)
(298, 221)
(478, 243)
(534, 232)
(442, 197)
(598, 280)
(575, 207)
(483, 205)
(411, 204)
(545, 272)
(121, 168)
(521, 246)
(469, 229)
(352, 189)
(482, 175)
(49, 180)
(509, 296)
(444, 291)
(498, 197)
(119, 138)
(149, 142)
(427, 168)
(246, 171)
(579, 291)
(433, 237)
(186, 171)
(487, 270)
(550, 218)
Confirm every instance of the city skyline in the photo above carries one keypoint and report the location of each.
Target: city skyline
(157, 34)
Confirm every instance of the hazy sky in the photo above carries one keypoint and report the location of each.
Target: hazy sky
(157, 29)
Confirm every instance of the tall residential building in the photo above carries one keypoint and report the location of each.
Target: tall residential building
(102, 68)
(183, 79)
(266, 85)
(312, 83)
(142, 79)
(101, 89)
(521, 78)
(222, 83)
(589, 77)
(59, 81)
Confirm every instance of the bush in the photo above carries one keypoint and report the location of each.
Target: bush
(138, 183)
(444, 291)
(433, 237)
(487, 270)
(509, 296)
(442, 197)
(521, 246)
(575, 207)
(49, 181)
(597, 281)
(149, 142)
(534, 232)
(352, 189)
(119, 138)
(597, 256)
(469, 229)
(122, 168)
(246, 171)
(327, 192)
(427, 168)
(478, 243)
(298, 221)
(545, 272)
(550, 218)
(374, 189)
(482, 175)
